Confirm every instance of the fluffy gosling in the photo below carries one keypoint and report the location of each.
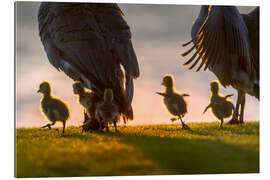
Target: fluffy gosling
(53, 108)
(88, 101)
(107, 111)
(85, 98)
(221, 107)
(174, 102)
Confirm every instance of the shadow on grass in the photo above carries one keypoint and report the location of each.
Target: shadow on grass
(80, 136)
(193, 156)
(137, 151)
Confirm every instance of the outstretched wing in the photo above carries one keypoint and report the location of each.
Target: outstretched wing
(163, 94)
(90, 42)
(223, 32)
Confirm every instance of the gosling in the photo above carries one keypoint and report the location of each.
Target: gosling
(174, 101)
(53, 108)
(85, 98)
(221, 107)
(107, 111)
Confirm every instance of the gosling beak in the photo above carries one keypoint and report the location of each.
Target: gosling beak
(162, 83)
(38, 91)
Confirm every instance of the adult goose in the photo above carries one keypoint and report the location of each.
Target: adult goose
(91, 43)
(227, 43)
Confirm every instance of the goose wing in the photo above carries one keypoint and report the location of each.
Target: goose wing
(223, 32)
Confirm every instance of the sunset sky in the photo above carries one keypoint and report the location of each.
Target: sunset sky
(158, 32)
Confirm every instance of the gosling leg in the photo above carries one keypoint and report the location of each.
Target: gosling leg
(48, 125)
(184, 126)
(221, 123)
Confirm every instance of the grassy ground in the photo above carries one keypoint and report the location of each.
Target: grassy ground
(137, 150)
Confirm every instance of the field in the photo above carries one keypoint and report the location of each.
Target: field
(138, 150)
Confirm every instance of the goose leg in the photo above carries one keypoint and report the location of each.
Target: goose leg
(90, 123)
(86, 123)
(100, 125)
(234, 119)
(86, 118)
(107, 127)
(236, 112)
(64, 126)
(115, 125)
(243, 102)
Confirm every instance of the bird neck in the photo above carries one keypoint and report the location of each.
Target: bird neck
(47, 95)
(81, 94)
(215, 93)
(169, 90)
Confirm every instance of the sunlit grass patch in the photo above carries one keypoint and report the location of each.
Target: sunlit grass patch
(137, 150)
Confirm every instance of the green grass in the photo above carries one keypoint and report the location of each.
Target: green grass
(139, 150)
